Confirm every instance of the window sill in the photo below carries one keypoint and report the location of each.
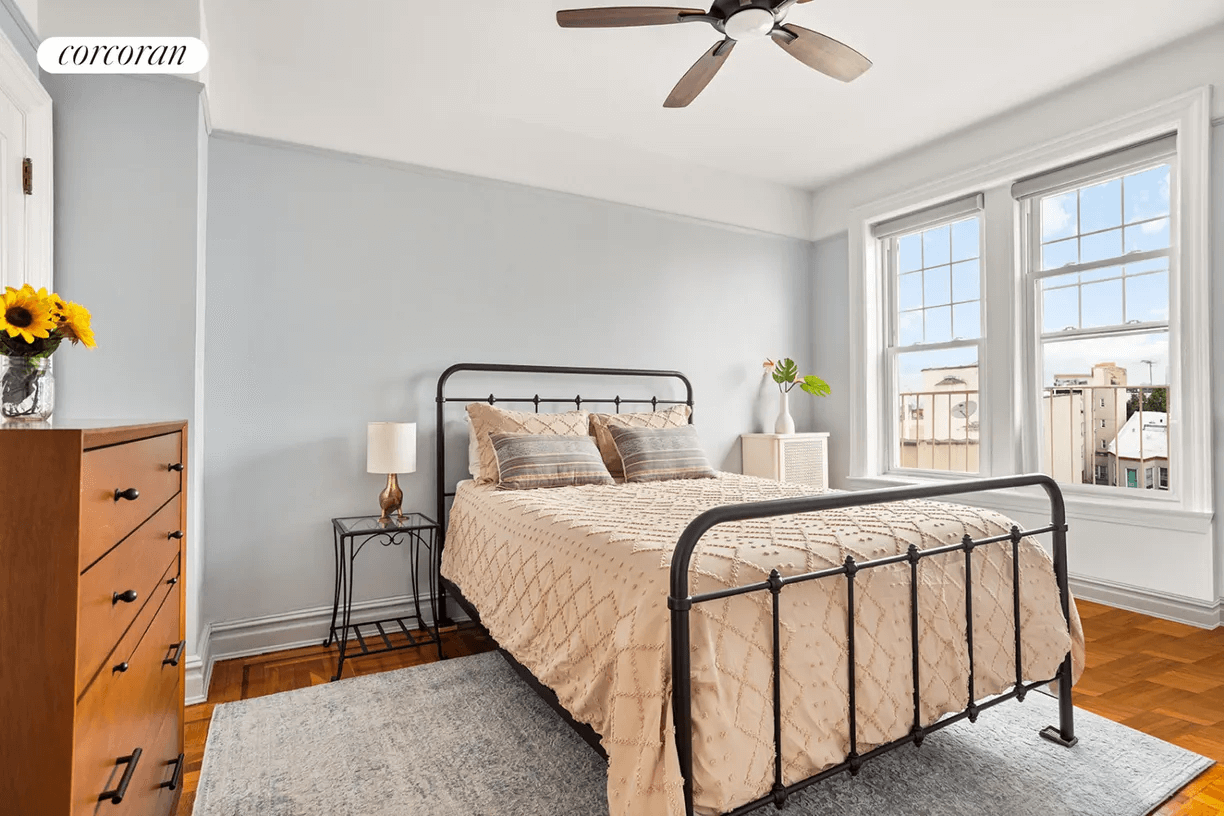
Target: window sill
(1135, 511)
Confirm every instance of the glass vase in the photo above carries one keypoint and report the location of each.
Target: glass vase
(27, 389)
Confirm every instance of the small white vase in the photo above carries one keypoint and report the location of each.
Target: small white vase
(784, 424)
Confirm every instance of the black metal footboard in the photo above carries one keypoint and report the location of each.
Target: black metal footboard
(681, 602)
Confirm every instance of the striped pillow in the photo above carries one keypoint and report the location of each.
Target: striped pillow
(659, 454)
(527, 461)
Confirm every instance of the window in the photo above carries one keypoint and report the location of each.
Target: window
(1164, 478)
(1080, 310)
(1100, 243)
(935, 330)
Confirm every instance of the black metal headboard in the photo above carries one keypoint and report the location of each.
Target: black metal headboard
(578, 401)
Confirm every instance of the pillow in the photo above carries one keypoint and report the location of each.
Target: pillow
(674, 417)
(659, 454)
(488, 419)
(527, 461)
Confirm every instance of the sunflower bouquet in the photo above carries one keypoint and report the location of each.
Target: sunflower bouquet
(33, 324)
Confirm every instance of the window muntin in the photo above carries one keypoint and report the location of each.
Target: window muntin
(1100, 267)
(934, 350)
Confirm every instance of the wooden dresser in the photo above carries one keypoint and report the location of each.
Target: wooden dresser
(92, 521)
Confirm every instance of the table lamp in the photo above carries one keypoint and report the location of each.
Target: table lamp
(391, 449)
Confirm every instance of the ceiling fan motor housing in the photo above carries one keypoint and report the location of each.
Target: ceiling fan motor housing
(751, 23)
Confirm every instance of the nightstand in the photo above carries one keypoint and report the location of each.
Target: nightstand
(416, 533)
(802, 458)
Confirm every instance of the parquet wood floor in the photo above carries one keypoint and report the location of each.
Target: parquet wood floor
(1162, 678)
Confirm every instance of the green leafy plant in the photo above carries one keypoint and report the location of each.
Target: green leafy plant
(785, 373)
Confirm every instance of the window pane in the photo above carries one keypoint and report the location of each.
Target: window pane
(936, 247)
(1101, 246)
(1059, 254)
(1060, 309)
(1148, 235)
(967, 321)
(1093, 391)
(1102, 304)
(938, 410)
(965, 240)
(1058, 217)
(909, 291)
(966, 281)
(1147, 297)
(909, 252)
(1101, 206)
(939, 324)
(1147, 194)
(909, 328)
(937, 286)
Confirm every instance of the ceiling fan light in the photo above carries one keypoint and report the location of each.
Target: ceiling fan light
(749, 24)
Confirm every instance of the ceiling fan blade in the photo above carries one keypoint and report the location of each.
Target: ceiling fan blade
(825, 54)
(699, 76)
(622, 17)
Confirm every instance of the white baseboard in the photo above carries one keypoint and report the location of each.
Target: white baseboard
(288, 630)
(1192, 611)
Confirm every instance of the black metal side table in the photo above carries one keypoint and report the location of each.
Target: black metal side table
(418, 532)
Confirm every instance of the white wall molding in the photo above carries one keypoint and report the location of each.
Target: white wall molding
(288, 630)
(1192, 611)
(23, 25)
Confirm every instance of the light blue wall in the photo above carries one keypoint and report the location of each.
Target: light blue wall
(129, 170)
(338, 289)
(830, 303)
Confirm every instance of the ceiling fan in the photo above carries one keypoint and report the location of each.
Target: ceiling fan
(737, 21)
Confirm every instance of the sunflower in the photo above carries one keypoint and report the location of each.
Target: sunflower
(27, 313)
(74, 324)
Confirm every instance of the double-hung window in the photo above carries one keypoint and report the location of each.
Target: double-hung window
(934, 335)
(1097, 270)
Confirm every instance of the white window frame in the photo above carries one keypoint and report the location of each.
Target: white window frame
(1011, 442)
(891, 349)
(1034, 276)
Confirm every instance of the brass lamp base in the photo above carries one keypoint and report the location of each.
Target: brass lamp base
(391, 500)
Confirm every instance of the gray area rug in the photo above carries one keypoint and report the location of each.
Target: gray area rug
(467, 737)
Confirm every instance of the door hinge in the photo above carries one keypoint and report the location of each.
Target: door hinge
(27, 176)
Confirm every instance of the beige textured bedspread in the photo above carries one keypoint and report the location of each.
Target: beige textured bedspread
(573, 582)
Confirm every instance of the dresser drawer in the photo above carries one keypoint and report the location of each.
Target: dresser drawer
(142, 563)
(126, 710)
(145, 466)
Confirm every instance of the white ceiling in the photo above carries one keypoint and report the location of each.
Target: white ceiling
(497, 88)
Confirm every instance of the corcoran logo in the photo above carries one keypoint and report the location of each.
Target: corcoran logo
(122, 55)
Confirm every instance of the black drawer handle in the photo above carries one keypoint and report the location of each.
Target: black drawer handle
(120, 668)
(177, 534)
(177, 467)
(178, 654)
(178, 775)
(131, 494)
(116, 795)
(172, 581)
(127, 597)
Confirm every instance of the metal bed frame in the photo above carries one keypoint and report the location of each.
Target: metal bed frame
(680, 601)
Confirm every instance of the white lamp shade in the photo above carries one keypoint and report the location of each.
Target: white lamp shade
(391, 447)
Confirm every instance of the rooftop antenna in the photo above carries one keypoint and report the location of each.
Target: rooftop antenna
(1149, 363)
